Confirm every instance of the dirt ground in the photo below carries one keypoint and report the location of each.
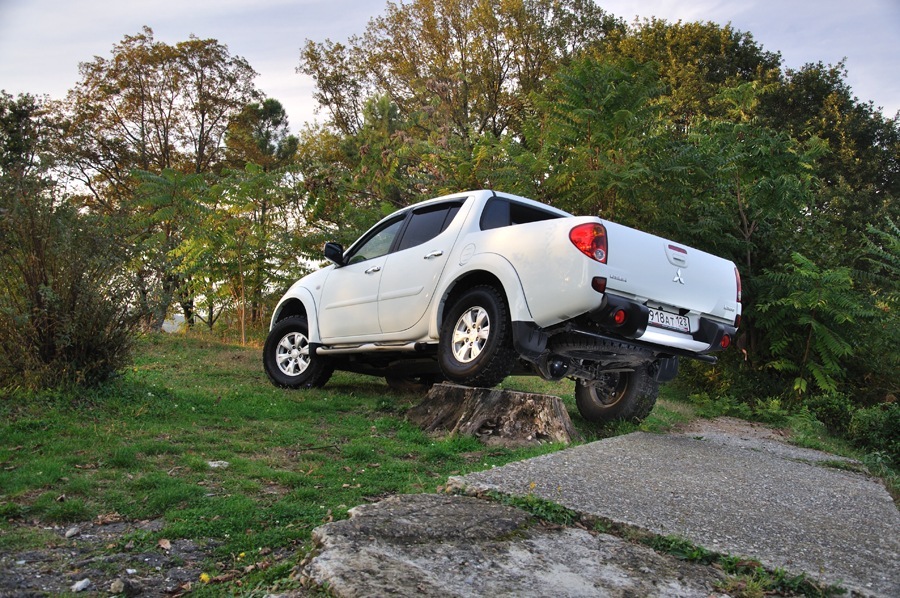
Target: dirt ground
(100, 553)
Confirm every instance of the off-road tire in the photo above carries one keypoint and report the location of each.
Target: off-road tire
(287, 358)
(475, 347)
(617, 396)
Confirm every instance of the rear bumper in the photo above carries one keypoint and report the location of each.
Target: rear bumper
(633, 323)
(623, 321)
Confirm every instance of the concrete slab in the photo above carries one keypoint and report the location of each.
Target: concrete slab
(457, 546)
(747, 497)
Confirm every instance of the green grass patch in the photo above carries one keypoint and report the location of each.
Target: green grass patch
(141, 446)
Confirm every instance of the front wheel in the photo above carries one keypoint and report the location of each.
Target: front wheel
(475, 348)
(619, 396)
(287, 358)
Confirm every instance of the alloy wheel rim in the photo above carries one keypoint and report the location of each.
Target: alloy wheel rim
(471, 333)
(292, 354)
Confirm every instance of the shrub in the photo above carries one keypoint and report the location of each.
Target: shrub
(64, 311)
(835, 410)
(878, 429)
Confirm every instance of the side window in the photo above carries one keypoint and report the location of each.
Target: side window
(502, 212)
(427, 223)
(495, 214)
(378, 244)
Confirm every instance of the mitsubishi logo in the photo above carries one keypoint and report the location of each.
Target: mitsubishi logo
(678, 277)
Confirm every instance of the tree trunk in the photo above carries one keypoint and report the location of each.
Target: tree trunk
(494, 416)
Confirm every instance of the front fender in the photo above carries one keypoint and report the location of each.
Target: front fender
(299, 299)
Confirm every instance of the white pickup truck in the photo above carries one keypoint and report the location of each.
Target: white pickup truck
(475, 286)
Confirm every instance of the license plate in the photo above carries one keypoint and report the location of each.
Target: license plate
(669, 321)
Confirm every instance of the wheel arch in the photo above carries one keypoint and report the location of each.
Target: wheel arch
(299, 303)
(491, 270)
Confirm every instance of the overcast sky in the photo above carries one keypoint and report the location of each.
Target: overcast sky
(43, 41)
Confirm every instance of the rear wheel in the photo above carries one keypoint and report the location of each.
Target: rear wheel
(287, 358)
(475, 348)
(619, 396)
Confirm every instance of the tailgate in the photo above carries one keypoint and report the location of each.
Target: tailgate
(668, 274)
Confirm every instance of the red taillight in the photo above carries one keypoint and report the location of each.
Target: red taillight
(590, 239)
(598, 283)
(726, 342)
(619, 317)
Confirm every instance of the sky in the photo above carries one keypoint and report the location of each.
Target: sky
(42, 42)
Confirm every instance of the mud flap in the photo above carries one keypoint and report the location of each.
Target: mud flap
(666, 369)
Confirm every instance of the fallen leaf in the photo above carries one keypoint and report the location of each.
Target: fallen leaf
(165, 544)
(107, 518)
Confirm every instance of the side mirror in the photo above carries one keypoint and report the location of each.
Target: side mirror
(334, 253)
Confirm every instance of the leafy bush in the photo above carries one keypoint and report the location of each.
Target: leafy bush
(64, 313)
(834, 410)
(878, 429)
(720, 405)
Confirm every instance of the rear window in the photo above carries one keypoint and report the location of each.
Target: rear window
(500, 212)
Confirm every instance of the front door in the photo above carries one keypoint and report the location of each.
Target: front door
(349, 306)
(412, 271)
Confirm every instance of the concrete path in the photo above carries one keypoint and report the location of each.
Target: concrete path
(732, 488)
(789, 508)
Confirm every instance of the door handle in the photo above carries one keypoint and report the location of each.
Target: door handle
(434, 254)
(373, 270)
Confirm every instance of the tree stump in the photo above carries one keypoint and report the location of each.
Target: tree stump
(495, 416)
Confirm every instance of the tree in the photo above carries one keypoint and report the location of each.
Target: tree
(595, 121)
(157, 109)
(152, 107)
(165, 212)
(861, 169)
(243, 246)
(469, 66)
(259, 134)
(695, 61)
(806, 313)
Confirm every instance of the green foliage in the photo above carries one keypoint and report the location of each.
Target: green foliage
(695, 60)
(64, 306)
(259, 134)
(834, 410)
(878, 429)
(805, 310)
(595, 120)
(467, 67)
(166, 211)
(710, 406)
(151, 106)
